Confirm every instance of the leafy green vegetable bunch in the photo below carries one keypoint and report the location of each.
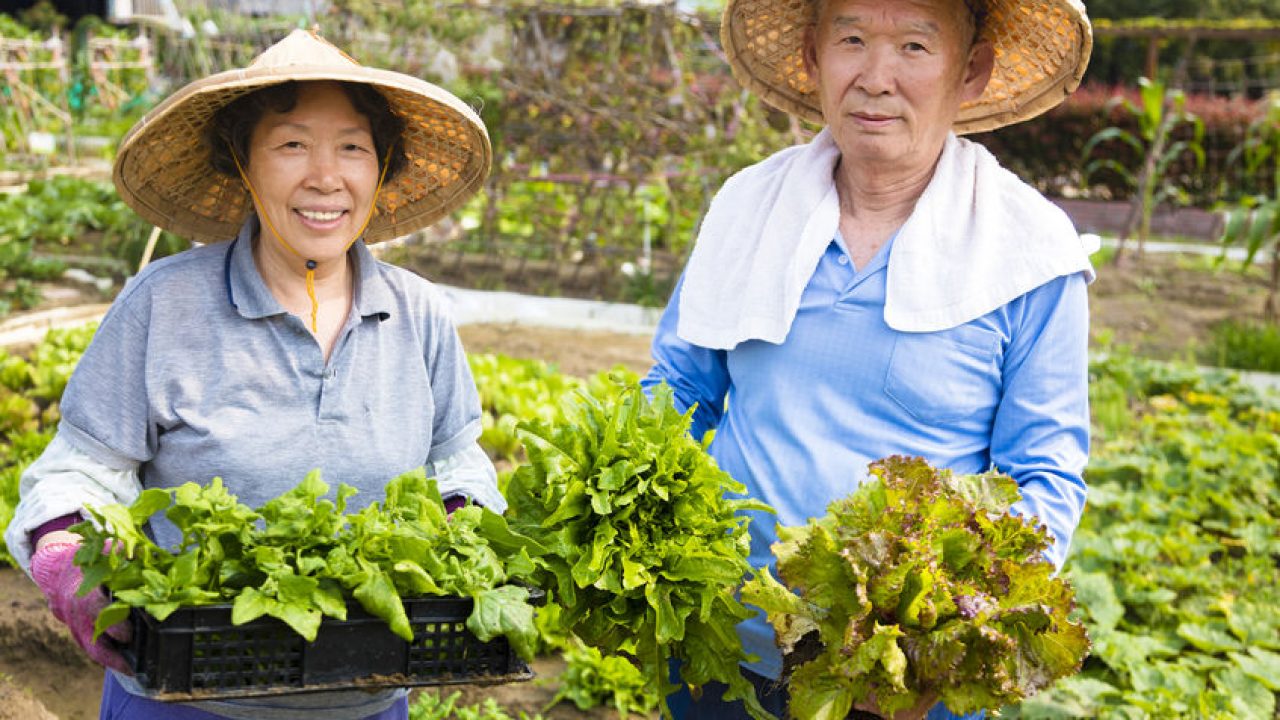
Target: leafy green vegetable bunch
(637, 542)
(592, 680)
(299, 557)
(919, 582)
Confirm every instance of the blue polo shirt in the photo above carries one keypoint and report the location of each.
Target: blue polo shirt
(798, 423)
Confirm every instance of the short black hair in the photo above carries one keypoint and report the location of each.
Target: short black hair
(232, 125)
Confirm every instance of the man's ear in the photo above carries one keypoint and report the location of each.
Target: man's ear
(982, 61)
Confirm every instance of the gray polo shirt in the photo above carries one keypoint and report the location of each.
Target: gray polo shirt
(197, 371)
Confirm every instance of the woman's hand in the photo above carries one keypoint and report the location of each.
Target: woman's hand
(916, 712)
(59, 579)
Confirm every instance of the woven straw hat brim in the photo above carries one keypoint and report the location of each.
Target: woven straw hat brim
(162, 168)
(1042, 48)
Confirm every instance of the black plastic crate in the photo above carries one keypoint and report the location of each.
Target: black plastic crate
(197, 654)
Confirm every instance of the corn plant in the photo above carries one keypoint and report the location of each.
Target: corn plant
(1255, 221)
(1161, 112)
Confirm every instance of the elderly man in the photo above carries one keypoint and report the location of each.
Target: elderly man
(887, 288)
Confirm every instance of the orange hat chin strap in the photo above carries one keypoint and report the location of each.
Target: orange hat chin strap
(311, 264)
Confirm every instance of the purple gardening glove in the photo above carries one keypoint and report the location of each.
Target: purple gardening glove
(59, 579)
(453, 502)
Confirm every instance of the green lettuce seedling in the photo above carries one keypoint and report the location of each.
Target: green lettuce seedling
(301, 556)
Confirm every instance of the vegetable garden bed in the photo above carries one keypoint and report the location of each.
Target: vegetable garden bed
(1173, 562)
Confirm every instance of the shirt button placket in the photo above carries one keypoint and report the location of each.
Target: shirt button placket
(326, 394)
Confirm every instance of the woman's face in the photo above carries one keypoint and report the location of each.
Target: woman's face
(315, 170)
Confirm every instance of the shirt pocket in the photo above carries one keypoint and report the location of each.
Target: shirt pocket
(945, 376)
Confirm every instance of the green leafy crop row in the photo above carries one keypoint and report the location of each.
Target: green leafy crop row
(512, 391)
(54, 217)
(516, 390)
(29, 392)
(1176, 563)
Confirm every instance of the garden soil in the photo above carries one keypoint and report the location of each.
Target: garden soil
(1163, 306)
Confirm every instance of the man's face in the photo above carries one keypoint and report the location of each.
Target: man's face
(892, 75)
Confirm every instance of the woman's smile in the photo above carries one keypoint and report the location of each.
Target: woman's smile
(321, 219)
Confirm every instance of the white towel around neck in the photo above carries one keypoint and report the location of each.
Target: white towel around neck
(978, 238)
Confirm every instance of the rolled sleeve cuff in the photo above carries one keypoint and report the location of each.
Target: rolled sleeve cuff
(94, 449)
(455, 444)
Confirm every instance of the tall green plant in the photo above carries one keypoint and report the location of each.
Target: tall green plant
(639, 538)
(1160, 115)
(1255, 221)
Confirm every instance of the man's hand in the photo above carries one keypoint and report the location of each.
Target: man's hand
(59, 579)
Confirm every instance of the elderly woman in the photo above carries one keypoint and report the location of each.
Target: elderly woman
(887, 288)
(279, 346)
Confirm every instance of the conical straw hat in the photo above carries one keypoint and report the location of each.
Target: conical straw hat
(1042, 48)
(162, 168)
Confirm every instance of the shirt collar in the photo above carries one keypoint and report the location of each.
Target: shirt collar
(246, 291)
(249, 295)
(373, 296)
